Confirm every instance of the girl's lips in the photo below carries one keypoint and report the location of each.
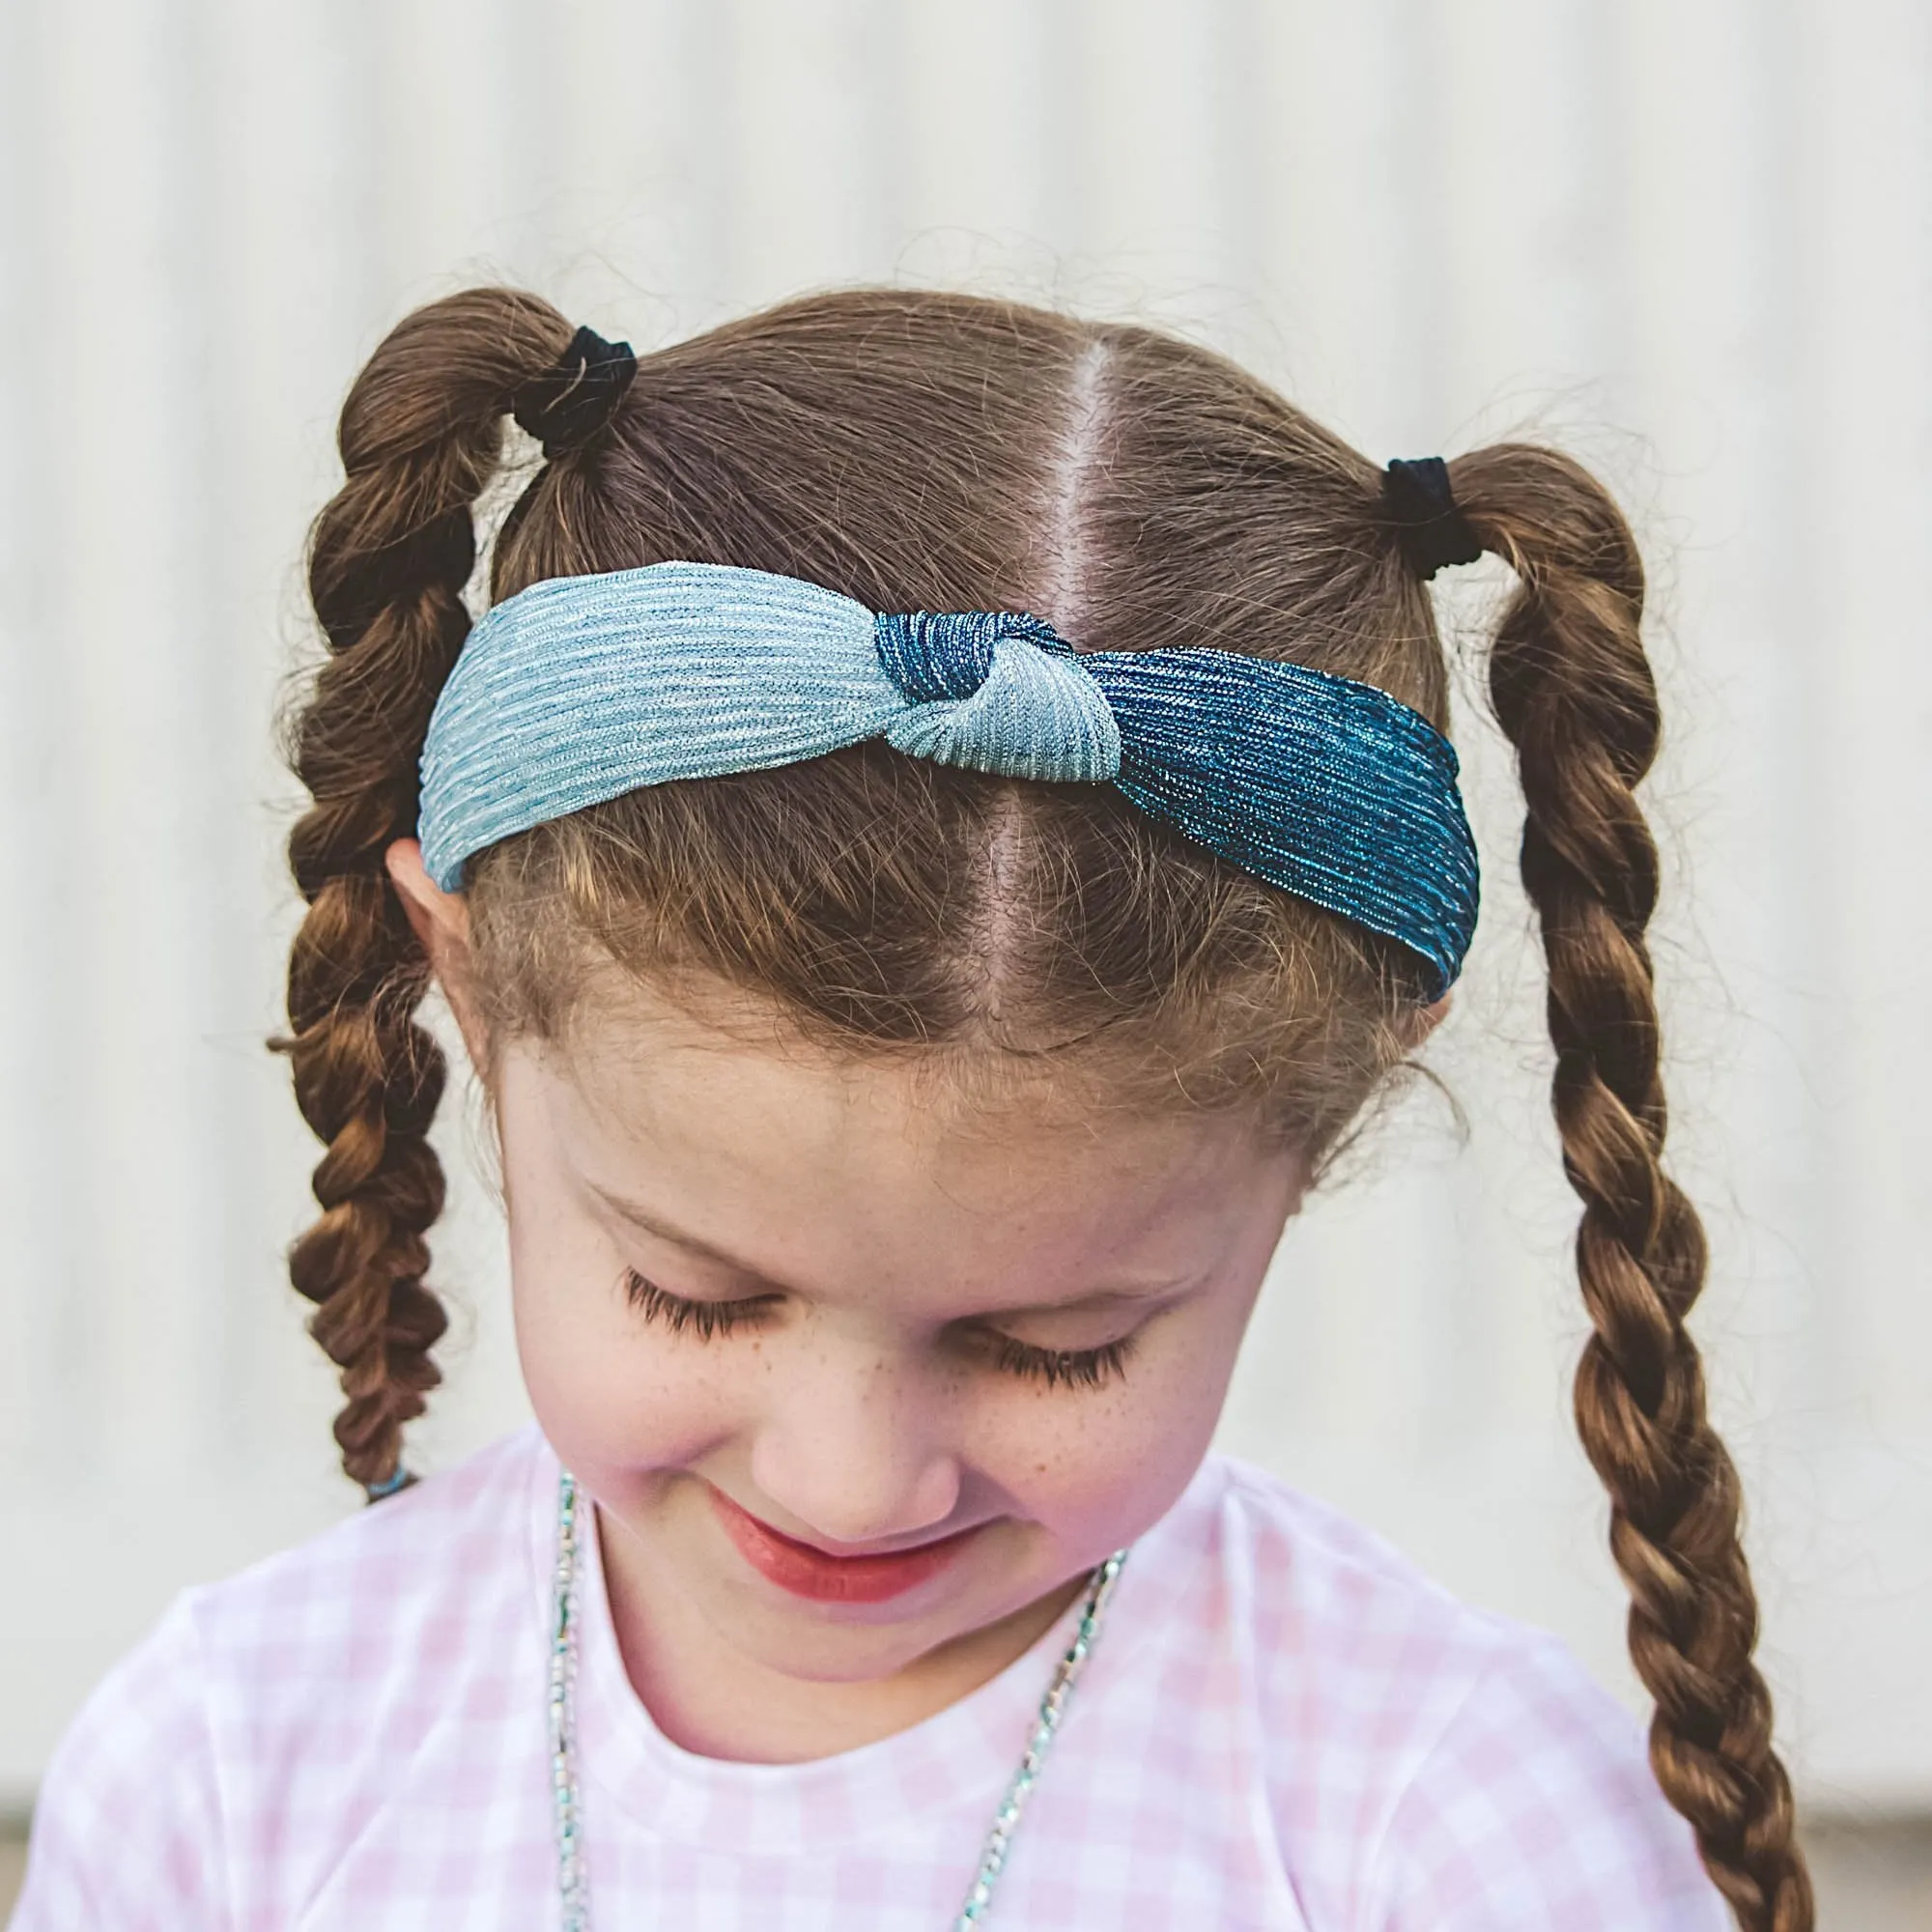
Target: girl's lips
(808, 1571)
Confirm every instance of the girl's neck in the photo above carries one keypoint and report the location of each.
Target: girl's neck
(710, 1698)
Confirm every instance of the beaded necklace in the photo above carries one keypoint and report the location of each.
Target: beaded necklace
(564, 1623)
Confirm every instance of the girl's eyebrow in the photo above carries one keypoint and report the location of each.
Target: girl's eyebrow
(649, 1224)
(639, 1217)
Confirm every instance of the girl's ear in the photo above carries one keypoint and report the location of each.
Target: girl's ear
(1425, 1019)
(441, 921)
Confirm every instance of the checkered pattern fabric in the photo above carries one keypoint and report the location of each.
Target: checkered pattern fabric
(1283, 1726)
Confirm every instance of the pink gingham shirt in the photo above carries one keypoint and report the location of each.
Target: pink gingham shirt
(1283, 1726)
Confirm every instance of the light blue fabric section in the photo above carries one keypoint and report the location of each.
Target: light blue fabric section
(582, 688)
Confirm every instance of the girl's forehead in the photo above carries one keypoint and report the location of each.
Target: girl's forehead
(793, 1159)
(641, 1065)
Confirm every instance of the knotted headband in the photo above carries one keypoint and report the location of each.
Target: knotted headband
(580, 688)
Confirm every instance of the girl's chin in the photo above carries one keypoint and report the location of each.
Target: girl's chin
(869, 1644)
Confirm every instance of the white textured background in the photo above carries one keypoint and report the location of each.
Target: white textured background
(1690, 238)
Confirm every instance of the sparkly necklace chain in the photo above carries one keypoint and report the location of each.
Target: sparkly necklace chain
(564, 1624)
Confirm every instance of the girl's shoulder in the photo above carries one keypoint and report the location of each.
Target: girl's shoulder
(280, 1703)
(1317, 1588)
(1305, 1580)
(434, 1555)
(382, 1619)
(1395, 1727)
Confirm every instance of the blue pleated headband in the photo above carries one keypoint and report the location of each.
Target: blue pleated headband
(584, 688)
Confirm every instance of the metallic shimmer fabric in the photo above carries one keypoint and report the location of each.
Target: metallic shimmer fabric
(584, 688)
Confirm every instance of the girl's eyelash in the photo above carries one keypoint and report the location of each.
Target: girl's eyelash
(1056, 1368)
(1070, 1368)
(706, 1320)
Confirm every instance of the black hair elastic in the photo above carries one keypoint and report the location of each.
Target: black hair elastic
(567, 405)
(1430, 530)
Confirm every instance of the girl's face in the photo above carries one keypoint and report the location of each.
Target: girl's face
(850, 1370)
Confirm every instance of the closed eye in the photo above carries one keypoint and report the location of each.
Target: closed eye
(1069, 1368)
(708, 1320)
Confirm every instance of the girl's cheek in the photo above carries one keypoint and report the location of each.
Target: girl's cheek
(607, 1389)
(1101, 1466)
(1118, 1459)
(617, 1422)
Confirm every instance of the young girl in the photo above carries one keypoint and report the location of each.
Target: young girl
(909, 1023)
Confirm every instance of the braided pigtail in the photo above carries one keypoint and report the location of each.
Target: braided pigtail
(1575, 693)
(421, 435)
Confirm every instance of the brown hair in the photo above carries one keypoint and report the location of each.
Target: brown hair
(919, 450)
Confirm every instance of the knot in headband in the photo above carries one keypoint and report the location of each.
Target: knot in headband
(582, 689)
(996, 691)
(571, 401)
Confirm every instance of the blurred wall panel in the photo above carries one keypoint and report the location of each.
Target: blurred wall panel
(1691, 242)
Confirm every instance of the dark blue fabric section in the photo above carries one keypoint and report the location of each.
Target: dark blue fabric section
(1332, 790)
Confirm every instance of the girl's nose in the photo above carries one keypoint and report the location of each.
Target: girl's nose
(854, 1459)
